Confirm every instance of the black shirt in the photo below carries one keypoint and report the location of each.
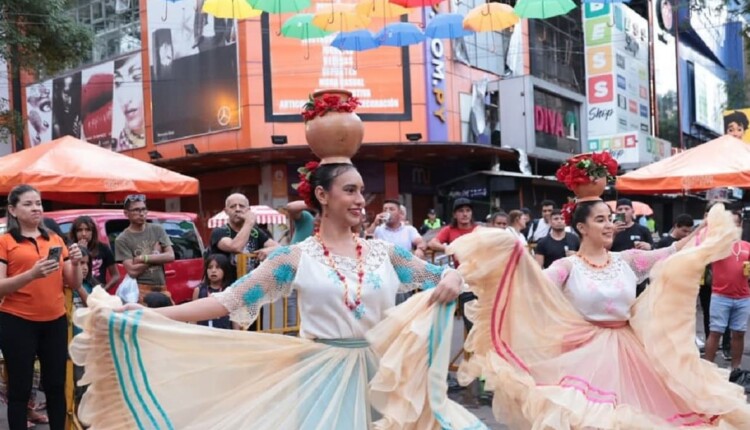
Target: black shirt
(255, 242)
(636, 232)
(553, 249)
(665, 242)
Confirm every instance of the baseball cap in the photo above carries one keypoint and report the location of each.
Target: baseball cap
(624, 202)
(460, 202)
(431, 212)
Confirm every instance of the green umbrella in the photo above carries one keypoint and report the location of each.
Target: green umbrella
(300, 26)
(279, 6)
(543, 8)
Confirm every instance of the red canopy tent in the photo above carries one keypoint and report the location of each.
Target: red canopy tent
(74, 171)
(722, 162)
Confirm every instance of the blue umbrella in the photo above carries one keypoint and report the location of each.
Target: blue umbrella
(400, 34)
(446, 26)
(357, 40)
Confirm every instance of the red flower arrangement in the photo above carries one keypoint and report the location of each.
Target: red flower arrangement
(304, 188)
(567, 211)
(586, 168)
(320, 106)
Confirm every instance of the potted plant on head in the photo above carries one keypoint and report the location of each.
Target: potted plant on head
(587, 176)
(332, 129)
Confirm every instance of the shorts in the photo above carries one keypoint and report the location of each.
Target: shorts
(144, 289)
(726, 311)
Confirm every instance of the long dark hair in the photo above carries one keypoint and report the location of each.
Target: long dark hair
(224, 265)
(93, 245)
(324, 176)
(14, 227)
(581, 213)
(90, 275)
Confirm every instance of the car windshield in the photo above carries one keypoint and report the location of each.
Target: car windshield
(183, 234)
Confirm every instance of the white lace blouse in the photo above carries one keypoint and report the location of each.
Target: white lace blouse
(605, 294)
(324, 315)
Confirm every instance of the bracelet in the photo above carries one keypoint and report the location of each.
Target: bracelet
(145, 259)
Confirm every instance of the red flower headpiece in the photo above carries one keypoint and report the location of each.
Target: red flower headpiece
(303, 187)
(586, 168)
(567, 211)
(320, 106)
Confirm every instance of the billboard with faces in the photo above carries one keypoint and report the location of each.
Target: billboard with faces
(101, 104)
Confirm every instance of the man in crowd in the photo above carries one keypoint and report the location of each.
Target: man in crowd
(143, 248)
(730, 302)
(683, 226)
(463, 223)
(629, 234)
(389, 226)
(557, 244)
(431, 223)
(540, 227)
(240, 234)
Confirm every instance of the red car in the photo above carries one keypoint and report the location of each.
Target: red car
(184, 274)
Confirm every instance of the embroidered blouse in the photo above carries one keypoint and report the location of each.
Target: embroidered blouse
(324, 315)
(605, 294)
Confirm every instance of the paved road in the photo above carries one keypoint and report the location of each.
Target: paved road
(465, 397)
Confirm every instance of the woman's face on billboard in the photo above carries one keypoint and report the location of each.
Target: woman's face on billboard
(128, 90)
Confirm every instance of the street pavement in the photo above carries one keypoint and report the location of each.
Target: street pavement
(466, 395)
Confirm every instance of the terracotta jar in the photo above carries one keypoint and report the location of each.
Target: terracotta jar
(336, 136)
(591, 191)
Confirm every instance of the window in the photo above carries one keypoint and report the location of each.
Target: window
(556, 46)
(115, 24)
(556, 122)
(487, 50)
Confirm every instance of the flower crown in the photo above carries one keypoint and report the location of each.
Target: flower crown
(303, 187)
(584, 170)
(320, 106)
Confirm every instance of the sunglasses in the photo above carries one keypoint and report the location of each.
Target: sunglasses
(135, 198)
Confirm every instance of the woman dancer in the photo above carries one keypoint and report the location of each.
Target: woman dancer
(170, 375)
(572, 347)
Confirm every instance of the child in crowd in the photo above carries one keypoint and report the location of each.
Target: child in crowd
(214, 281)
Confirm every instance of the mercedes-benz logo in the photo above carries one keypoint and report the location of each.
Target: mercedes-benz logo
(224, 116)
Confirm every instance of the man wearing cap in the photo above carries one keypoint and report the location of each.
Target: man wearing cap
(629, 234)
(463, 223)
(431, 223)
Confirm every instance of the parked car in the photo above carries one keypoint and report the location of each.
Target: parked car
(183, 275)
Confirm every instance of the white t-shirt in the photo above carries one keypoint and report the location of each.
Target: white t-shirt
(542, 230)
(402, 236)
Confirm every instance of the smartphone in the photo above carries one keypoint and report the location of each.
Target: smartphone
(620, 218)
(55, 253)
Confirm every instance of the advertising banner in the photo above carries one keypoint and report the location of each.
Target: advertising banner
(736, 122)
(710, 99)
(294, 68)
(617, 87)
(102, 104)
(435, 54)
(194, 72)
(665, 70)
(6, 140)
(632, 149)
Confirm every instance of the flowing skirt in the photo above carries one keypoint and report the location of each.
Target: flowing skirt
(551, 369)
(145, 371)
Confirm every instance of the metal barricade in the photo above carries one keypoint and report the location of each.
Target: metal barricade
(273, 317)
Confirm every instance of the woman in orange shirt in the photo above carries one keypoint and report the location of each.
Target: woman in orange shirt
(34, 266)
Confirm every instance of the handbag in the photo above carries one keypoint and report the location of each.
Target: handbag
(128, 290)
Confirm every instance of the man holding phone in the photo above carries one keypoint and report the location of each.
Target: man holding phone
(629, 234)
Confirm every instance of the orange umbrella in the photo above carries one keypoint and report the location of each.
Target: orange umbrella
(722, 162)
(71, 170)
(339, 17)
(639, 208)
(490, 17)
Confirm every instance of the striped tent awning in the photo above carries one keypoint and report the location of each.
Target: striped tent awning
(264, 215)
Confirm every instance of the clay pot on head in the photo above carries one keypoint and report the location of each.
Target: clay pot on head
(591, 191)
(336, 136)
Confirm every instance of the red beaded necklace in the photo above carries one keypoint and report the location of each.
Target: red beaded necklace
(342, 278)
(594, 265)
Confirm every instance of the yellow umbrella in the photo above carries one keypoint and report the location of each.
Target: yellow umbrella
(490, 17)
(230, 9)
(380, 9)
(340, 17)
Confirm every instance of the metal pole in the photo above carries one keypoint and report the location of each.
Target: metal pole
(676, 16)
(652, 70)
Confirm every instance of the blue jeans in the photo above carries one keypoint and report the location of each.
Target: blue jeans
(728, 312)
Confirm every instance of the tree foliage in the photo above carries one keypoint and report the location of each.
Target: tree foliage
(40, 38)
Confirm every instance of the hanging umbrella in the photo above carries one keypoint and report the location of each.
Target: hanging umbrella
(446, 26)
(639, 208)
(166, 7)
(300, 27)
(543, 9)
(491, 17)
(339, 17)
(400, 34)
(279, 6)
(416, 3)
(230, 9)
(380, 9)
(357, 40)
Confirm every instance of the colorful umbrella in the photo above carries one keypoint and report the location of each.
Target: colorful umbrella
(279, 6)
(491, 17)
(339, 17)
(166, 7)
(543, 9)
(357, 40)
(380, 9)
(230, 9)
(300, 27)
(446, 26)
(416, 3)
(400, 34)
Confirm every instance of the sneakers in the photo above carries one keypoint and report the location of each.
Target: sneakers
(700, 344)
(735, 375)
(726, 355)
